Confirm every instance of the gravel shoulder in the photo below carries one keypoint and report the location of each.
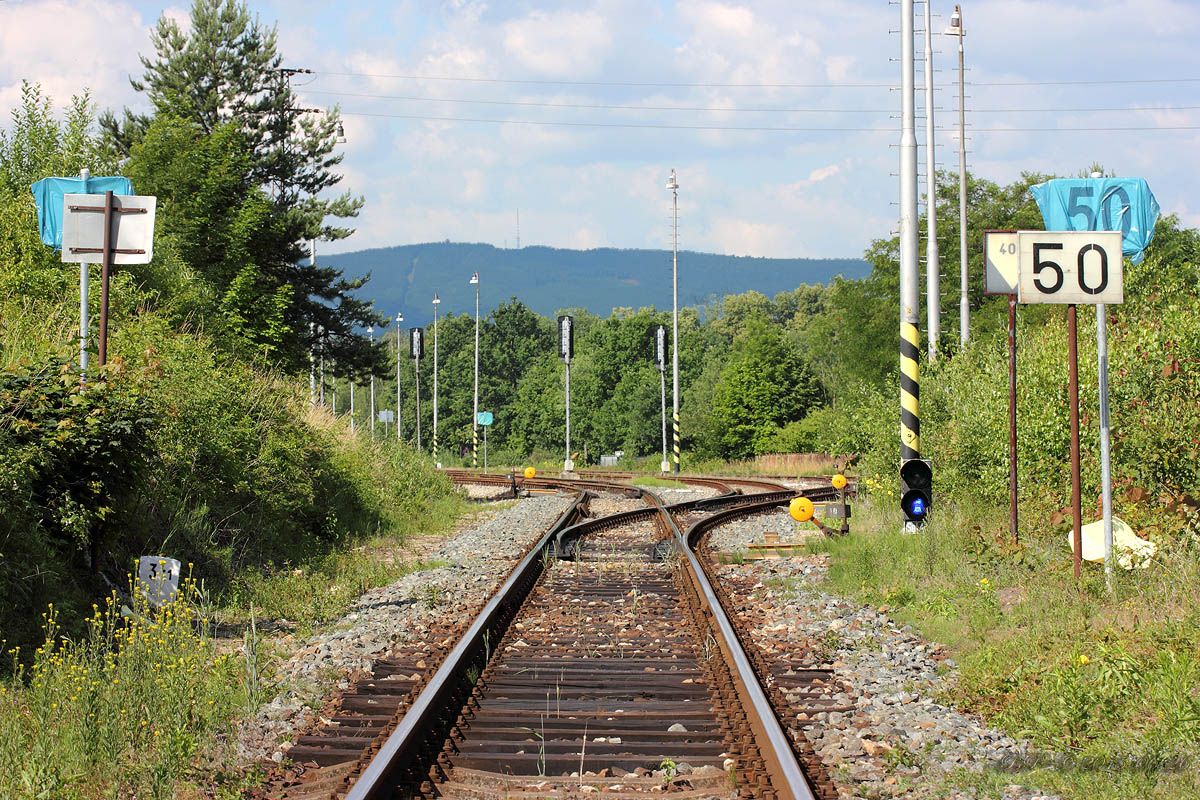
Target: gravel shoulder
(895, 738)
(739, 534)
(412, 609)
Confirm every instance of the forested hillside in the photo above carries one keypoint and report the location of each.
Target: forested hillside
(405, 278)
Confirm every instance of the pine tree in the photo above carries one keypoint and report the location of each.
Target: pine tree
(225, 72)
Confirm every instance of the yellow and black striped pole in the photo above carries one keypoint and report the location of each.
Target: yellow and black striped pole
(675, 432)
(910, 392)
(910, 298)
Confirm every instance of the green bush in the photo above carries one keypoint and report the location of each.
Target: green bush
(1154, 347)
(183, 451)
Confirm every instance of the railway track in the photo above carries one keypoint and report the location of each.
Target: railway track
(605, 663)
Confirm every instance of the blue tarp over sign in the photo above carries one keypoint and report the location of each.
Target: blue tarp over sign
(48, 194)
(1101, 204)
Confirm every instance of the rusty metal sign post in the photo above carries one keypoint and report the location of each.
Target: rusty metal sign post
(1001, 260)
(120, 228)
(1069, 268)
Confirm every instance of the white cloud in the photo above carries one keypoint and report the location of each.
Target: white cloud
(585, 239)
(765, 193)
(68, 46)
(743, 237)
(563, 43)
(474, 185)
(821, 173)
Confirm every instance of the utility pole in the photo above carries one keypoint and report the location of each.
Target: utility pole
(312, 365)
(352, 423)
(371, 333)
(84, 277)
(399, 350)
(933, 299)
(319, 395)
(673, 185)
(910, 334)
(964, 303)
(436, 459)
(475, 404)
(321, 373)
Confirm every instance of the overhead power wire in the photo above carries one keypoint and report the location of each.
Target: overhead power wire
(603, 106)
(716, 85)
(767, 128)
(1109, 82)
(547, 82)
(528, 103)
(777, 110)
(662, 126)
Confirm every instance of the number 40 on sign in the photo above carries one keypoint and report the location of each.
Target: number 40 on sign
(1067, 267)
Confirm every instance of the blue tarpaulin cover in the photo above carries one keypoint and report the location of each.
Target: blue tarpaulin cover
(48, 194)
(1101, 204)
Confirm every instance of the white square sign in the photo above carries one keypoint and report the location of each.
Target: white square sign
(159, 577)
(1071, 267)
(132, 228)
(1001, 254)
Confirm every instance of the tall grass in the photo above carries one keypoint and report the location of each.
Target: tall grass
(1109, 684)
(125, 710)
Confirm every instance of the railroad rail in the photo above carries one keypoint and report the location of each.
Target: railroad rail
(650, 671)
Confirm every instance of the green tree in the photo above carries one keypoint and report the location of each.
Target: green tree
(224, 78)
(539, 413)
(35, 146)
(763, 386)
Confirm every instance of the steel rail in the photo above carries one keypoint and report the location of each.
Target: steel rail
(401, 749)
(783, 767)
(397, 750)
(594, 479)
(565, 542)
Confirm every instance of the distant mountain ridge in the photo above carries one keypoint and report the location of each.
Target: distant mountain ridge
(404, 278)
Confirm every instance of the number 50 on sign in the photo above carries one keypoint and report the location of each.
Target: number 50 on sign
(1082, 267)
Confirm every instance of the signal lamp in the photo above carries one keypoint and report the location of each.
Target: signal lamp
(916, 489)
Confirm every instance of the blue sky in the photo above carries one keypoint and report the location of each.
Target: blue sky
(408, 75)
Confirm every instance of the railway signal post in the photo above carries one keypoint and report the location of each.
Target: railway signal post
(1001, 269)
(416, 346)
(475, 403)
(371, 335)
(1128, 209)
(436, 460)
(660, 352)
(566, 349)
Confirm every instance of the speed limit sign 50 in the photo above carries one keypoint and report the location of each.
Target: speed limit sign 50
(1082, 267)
